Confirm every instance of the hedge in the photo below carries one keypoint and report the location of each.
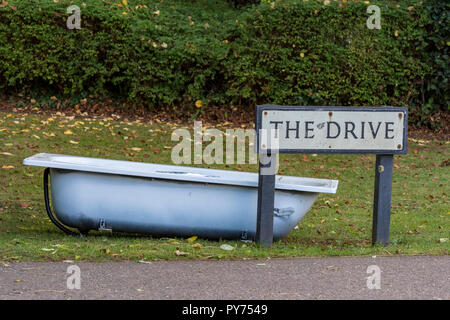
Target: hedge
(175, 52)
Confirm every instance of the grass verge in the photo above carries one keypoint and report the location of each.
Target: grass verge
(336, 225)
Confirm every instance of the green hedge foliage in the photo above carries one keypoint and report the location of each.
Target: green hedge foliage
(175, 52)
(435, 87)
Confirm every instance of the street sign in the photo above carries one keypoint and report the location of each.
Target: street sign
(292, 129)
(381, 130)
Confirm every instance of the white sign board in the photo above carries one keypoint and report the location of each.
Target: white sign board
(380, 130)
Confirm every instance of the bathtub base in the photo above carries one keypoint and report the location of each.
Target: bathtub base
(75, 207)
(50, 213)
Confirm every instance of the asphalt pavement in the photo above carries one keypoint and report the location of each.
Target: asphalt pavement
(397, 277)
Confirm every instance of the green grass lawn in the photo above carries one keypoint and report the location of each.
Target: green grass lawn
(337, 224)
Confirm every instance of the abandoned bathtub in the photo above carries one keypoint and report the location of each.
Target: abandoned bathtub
(167, 200)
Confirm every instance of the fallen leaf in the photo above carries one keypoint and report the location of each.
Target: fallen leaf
(191, 239)
(226, 247)
(68, 132)
(181, 253)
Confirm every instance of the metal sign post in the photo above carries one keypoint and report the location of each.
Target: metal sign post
(366, 130)
(266, 196)
(382, 199)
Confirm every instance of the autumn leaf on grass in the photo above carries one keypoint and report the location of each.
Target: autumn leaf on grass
(7, 167)
(181, 253)
(226, 247)
(68, 132)
(191, 239)
(73, 142)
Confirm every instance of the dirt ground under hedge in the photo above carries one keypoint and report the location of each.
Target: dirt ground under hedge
(210, 115)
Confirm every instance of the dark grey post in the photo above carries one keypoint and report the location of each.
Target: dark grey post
(382, 199)
(266, 196)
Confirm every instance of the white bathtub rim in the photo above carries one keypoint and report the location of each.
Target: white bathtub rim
(181, 173)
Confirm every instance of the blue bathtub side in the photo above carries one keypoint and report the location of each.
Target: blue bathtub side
(161, 207)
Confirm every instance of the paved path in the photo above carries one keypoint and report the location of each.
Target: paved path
(409, 277)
